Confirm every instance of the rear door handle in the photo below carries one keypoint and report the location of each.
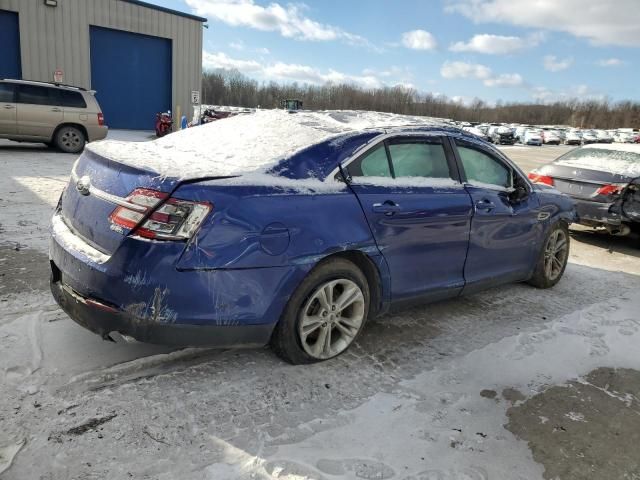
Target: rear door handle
(487, 205)
(56, 110)
(388, 208)
(9, 107)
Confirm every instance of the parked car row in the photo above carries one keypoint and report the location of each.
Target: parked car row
(536, 135)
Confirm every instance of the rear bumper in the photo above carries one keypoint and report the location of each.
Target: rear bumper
(103, 319)
(139, 292)
(97, 132)
(596, 213)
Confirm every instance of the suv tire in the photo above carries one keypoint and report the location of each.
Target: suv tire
(69, 139)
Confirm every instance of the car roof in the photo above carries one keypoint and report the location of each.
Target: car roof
(46, 84)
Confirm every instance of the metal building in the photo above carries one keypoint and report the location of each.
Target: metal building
(140, 58)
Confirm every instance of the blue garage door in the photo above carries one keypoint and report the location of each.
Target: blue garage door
(9, 45)
(132, 75)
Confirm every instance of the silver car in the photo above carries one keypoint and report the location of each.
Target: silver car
(59, 115)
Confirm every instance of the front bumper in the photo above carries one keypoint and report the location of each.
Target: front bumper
(104, 319)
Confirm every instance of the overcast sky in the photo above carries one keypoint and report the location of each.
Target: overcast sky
(491, 49)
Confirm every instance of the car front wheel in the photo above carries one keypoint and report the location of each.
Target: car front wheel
(553, 258)
(325, 314)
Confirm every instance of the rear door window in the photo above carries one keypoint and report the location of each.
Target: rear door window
(36, 95)
(6, 93)
(418, 158)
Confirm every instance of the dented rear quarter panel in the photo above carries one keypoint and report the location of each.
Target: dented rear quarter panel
(265, 227)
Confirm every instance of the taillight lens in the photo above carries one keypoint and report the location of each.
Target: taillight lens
(537, 178)
(611, 189)
(101, 119)
(175, 219)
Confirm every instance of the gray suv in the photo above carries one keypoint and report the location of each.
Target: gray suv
(59, 115)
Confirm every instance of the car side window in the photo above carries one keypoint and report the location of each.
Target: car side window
(70, 99)
(6, 93)
(483, 168)
(35, 95)
(411, 158)
(374, 163)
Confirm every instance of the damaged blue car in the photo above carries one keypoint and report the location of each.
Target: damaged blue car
(294, 229)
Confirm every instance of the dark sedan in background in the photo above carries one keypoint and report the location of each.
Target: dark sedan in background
(603, 180)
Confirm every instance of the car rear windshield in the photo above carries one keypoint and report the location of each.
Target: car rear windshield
(605, 160)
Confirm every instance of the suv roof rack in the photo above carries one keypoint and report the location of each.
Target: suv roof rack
(56, 84)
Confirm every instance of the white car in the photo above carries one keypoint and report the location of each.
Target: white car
(551, 138)
(588, 137)
(476, 131)
(624, 137)
(574, 137)
(532, 137)
(603, 136)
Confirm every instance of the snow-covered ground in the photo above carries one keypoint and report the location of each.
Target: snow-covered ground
(423, 395)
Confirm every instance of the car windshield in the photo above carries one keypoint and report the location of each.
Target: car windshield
(619, 162)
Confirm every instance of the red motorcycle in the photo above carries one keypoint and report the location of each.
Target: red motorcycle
(164, 123)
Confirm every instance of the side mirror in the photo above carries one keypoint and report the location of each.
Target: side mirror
(518, 194)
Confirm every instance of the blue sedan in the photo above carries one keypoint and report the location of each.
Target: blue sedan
(293, 229)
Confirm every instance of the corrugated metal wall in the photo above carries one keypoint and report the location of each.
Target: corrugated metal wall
(58, 37)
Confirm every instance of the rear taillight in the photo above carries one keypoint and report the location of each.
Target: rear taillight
(175, 219)
(101, 119)
(537, 178)
(611, 189)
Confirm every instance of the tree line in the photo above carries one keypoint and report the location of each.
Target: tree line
(232, 88)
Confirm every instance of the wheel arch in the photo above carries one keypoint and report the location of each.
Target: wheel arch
(371, 270)
(79, 126)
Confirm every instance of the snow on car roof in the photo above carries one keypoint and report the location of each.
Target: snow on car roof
(617, 159)
(246, 143)
(618, 147)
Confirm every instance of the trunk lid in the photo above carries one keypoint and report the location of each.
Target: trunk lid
(87, 215)
(581, 183)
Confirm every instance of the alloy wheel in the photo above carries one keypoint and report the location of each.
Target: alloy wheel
(331, 318)
(70, 139)
(555, 254)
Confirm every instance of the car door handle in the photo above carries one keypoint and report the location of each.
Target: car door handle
(9, 107)
(487, 205)
(388, 208)
(56, 109)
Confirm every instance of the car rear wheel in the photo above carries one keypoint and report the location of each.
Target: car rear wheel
(553, 258)
(70, 139)
(325, 314)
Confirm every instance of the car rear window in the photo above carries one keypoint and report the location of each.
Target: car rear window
(423, 159)
(6, 93)
(71, 99)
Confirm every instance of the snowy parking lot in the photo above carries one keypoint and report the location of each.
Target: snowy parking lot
(512, 383)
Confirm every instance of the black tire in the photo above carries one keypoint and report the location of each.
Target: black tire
(541, 277)
(69, 139)
(286, 341)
